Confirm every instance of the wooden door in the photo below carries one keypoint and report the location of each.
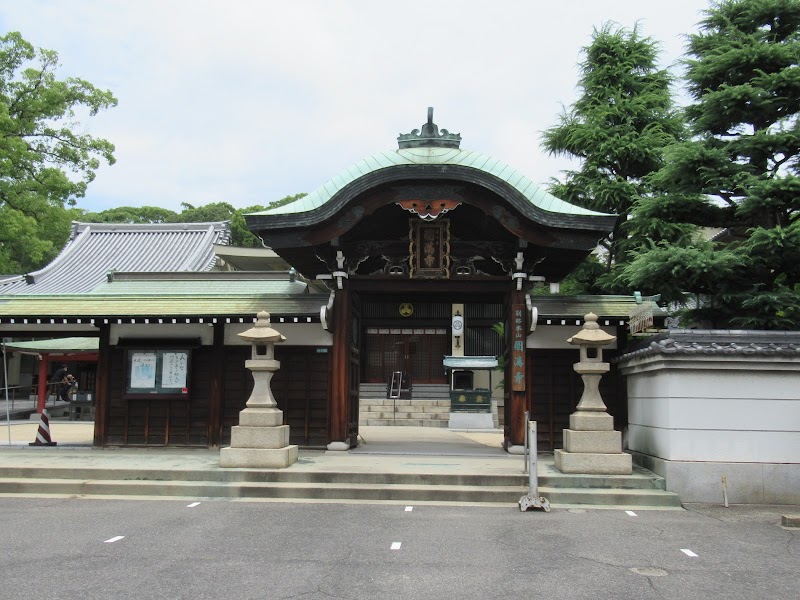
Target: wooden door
(418, 352)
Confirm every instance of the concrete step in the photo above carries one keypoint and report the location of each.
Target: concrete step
(363, 402)
(427, 422)
(381, 416)
(620, 498)
(420, 410)
(640, 490)
(387, 491)
(216, 489)
(418, 391)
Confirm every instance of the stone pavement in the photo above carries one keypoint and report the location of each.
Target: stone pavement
(418, 449)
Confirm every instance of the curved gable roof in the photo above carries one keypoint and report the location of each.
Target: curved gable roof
(482, 163)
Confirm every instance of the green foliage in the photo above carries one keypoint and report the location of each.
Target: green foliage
(739, 170)
(46, 160)
(618, 128)
(132, 214)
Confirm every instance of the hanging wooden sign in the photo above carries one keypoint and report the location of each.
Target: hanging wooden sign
(430, 249)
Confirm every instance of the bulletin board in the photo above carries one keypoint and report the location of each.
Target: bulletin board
(164, 372)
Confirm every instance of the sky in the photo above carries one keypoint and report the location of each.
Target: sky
(246, 101)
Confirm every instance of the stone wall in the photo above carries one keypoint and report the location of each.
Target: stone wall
(708, 403)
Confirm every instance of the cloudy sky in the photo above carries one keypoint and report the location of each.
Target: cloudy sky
(246, 101)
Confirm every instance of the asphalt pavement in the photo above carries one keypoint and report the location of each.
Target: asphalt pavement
(67, 548)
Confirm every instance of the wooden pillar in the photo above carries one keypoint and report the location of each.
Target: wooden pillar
(340, 368)
(516, 372)
(102, 388)
(216, 398)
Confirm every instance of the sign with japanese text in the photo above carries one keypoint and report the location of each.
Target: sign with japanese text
(518, 348)
(174, 369)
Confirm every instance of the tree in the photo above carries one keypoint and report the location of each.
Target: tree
(618, 128)
(132, 214)
(45, 163)
(738, 172)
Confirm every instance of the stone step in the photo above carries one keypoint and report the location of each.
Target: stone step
(429, 422)
(640, 490)
(404, 404)
(263, 475)
(619, 498)
(378, 414)
(641, 479)
(347, 490)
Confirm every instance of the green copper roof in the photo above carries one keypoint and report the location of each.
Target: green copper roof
(602, 306)
(431, 156)
(57, 346)
(88, 306)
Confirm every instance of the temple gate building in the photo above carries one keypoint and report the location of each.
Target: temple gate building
(406, 240)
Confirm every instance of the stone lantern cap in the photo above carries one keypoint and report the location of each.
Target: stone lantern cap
(591, 334)
(261, 332)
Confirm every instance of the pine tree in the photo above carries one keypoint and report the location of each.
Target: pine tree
(738, 173)
(617, 128)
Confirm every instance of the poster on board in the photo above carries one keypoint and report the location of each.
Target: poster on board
(143, 370)
(174, 369)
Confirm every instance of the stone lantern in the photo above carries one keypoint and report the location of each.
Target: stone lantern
(590, 444)
(261, 439)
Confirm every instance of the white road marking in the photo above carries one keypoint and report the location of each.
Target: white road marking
(114, 539)
(409, 508)
(193, 504)
(688, 552)
(395, 545)
(630, 513)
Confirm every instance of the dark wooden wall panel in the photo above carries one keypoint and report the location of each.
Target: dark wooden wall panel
(160, 421)
(556, 390)
(300, 388)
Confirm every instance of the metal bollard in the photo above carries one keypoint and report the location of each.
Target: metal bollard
(533, 500)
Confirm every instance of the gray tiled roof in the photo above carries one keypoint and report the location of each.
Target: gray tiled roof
(724, 342)
(94, 249)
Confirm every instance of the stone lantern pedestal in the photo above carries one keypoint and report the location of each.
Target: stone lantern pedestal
(591, 446)
(261, 440)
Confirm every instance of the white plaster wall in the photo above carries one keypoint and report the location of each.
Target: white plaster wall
(297, 334)
(713, 409)
(204, 331)
(555, 337)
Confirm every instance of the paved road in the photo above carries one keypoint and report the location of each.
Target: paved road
(221, 549)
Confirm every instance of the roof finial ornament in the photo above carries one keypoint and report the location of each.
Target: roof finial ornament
(430, 136)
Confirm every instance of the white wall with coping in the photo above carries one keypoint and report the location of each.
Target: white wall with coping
(694, 416)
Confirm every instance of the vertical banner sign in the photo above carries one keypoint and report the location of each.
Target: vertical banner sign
(518, 349)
